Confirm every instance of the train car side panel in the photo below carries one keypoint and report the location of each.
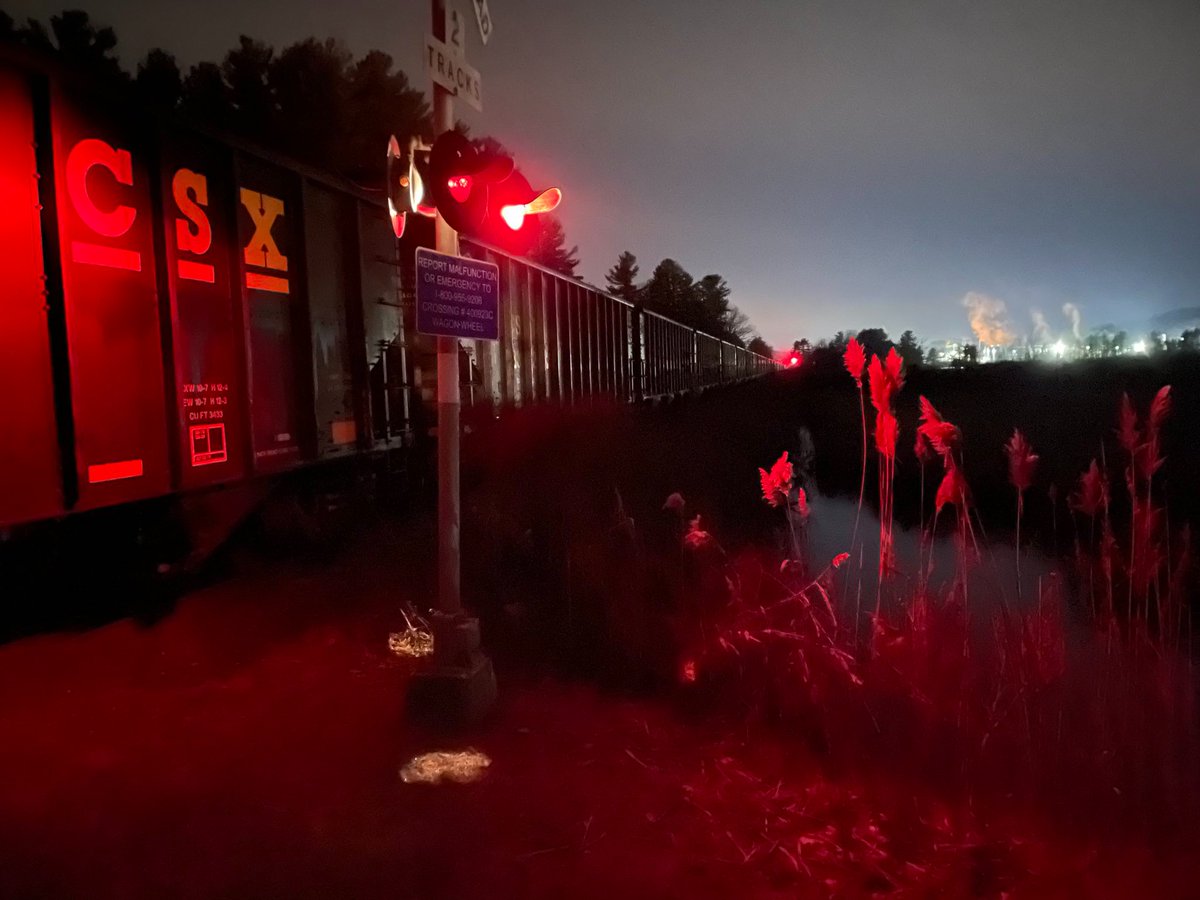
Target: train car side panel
(210, 406)
(268, 215)
(111, 304)
(329, 224)
(30, 480)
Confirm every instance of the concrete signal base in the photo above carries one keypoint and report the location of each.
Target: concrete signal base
(458, 689)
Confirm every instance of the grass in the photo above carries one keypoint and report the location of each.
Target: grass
(1069, 704)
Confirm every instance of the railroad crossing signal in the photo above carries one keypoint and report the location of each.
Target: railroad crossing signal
(478, 193)
(513, 207)
(406, 191)
(460, 180)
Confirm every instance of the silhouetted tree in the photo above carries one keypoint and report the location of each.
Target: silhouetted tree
(874, 341)
(761, 347)
(91, 49)
(312, 100)
(206, 97)
(550, 247)
(713, 312)
(247, 73)
(380, 102)
(671, 292)
(909, 349)
(159, 81)
(736, 327)
(622, 277)
(308, 84)
(33, 34)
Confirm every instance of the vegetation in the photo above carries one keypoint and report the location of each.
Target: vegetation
(312, 101)
(1055, 703)
(672, 291)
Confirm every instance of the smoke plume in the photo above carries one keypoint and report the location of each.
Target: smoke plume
(989, 319)
(1075, 317)
(1041, 328)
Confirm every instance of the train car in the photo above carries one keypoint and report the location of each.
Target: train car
(184, 312)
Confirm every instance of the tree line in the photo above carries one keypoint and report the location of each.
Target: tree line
(313, 101)
(875, 342)
(316, 102)
(671, 291)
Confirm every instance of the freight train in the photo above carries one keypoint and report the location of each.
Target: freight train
(181, 310)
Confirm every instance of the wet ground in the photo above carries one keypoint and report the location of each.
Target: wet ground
(249, 744)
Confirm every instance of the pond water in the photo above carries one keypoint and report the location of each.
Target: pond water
(991, 574)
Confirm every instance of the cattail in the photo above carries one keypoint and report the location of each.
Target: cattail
(895, 369)
(777, 484)
(886, 432)
(942, 436)
(921, 448)
(1092, 495)
(1160, 408)
(855, 360)
(675, 503)
(1022, 461)
(1127, 431)
(953, 489)
(802, 503)
(1147, 460)
(885, 380)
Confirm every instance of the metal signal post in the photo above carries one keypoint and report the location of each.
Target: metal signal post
(460, 687)
(449, 399)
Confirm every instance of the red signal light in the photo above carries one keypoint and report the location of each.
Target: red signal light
(514, 214)
(460, 187)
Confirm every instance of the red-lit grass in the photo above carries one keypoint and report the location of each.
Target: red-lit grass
(1043, 712)
(1089, 725)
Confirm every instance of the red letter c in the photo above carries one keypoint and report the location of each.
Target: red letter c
(93, 152)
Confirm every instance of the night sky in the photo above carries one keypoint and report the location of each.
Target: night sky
(843, 164)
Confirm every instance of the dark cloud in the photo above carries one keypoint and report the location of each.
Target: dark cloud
(842, 163)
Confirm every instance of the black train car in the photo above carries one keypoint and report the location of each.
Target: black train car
(183, 311)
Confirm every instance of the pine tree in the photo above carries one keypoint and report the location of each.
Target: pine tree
(622, 277)
(550, 249)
